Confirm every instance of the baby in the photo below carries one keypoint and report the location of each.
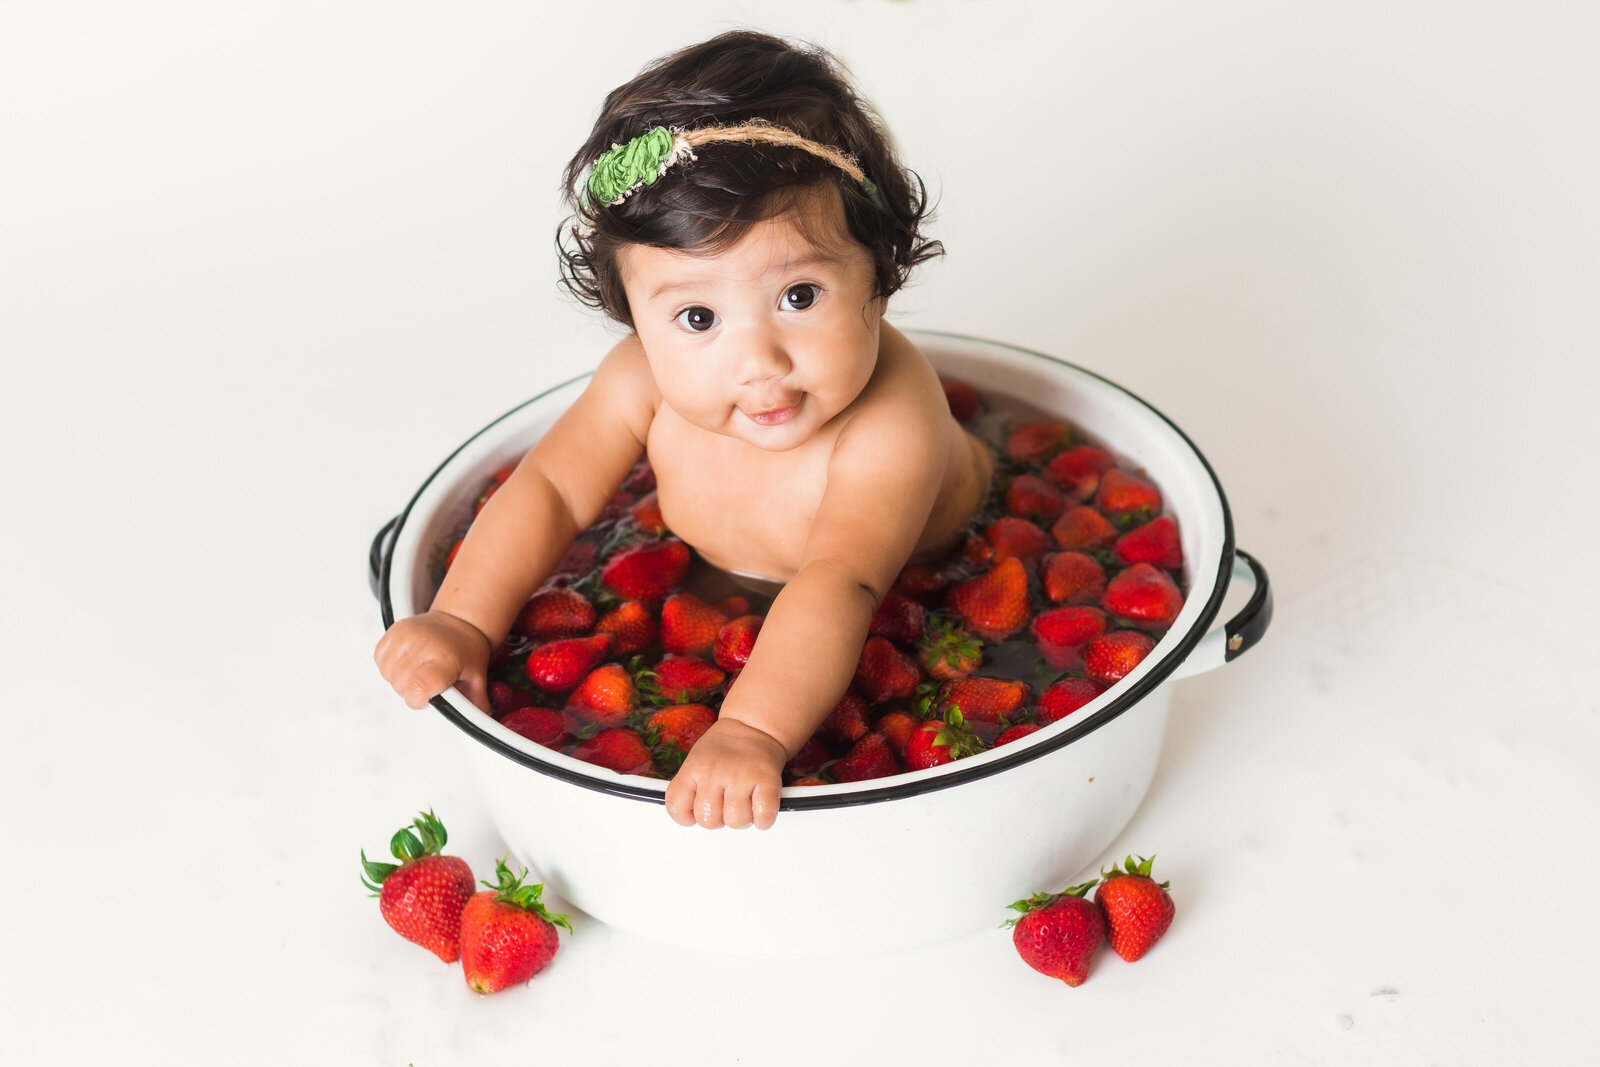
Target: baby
(745, 216)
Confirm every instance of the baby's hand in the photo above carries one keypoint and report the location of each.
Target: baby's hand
(730, 777)
(426, 654)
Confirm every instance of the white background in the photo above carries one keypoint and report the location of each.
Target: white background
(263, 265)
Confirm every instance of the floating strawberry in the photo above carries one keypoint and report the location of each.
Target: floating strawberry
(1058, 933)
(1144, 596)
(494, 487)
(630, 624)
(689, 624)
(578, 559)
(899, 618)
(646, 571)
(503, 475)
(686, 679)
(646, 514)
(938, 742)
(1138, 909)
(542, 726)
(1062, 634)
(504, 698)
(870, 757)
(619, 749)
(555, 612)
(1110, 657)
(734, 606)
(1072, 578)
(847, 723)
(948, 651)
(808, 760)
(1077, 470)
(884, 672)
(507, 934)
(1083, 528)
(1031, 497)
(977, 551)
(1013, 537)
(1032, 442)
(920, 580)
(983, 700)
(963, 399)
(735, 640)
(994, 605)
(422, 896)
(455, 550)
(1155, 542)
(1064, 698)
(607, 696)
(896, 725)
(1127, 498)
(680, 724)
(557, 666)
(1015, 733)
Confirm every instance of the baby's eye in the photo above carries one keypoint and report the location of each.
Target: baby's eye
(699, 319)
(800, 297)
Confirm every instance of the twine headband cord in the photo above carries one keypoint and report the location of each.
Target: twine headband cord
(624, 168)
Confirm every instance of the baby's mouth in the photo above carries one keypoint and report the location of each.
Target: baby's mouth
(774, 415)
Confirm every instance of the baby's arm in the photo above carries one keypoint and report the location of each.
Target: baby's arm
(883, 479)
(558, 490)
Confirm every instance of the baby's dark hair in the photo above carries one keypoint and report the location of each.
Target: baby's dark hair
(708, 205)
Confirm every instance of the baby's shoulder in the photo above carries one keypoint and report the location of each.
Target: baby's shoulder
(622, 385)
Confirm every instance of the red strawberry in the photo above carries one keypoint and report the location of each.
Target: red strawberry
(642, 479)
(1062, 633)
(994, 605)
(870, 757)
(685, 679)
(646, 514)
(1144, 596)
(1110, 657)
(494, 487)
(1078, 470)
(507, 934)
(689, 624)
(1059, 933)
(734, 606)
(735, 641)
(422, 896)
(920, 580)
(646, 571)
(551, 613)
(846, 724)
(1031, 497)
(1064, 698)
(977, 551)
(504, 698)
(1083, 528)
(1072, 578)
(899, 618)
(948, 651)
(938, 742)
(808, 761)
(1138, 909)
(1016, 733)
(1014, 537)
(619, 749)
(1155, 542)
(983, 700)
(504, 474)
(557, 666)
(455, 550)
(884, 672)
(1030, 443)
(680, 724)
(630, 624)
(542, 726)
(963, 399)
(1127, 498)
(606, 696)
(897, 726)
(578, 559)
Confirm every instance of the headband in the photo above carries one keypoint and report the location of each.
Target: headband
(623, 168)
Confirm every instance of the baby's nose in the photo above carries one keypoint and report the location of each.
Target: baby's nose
(764, 360)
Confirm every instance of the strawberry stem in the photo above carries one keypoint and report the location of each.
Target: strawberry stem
(509, 889)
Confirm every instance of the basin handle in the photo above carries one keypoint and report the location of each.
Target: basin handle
(1240, 633)
(378, 555)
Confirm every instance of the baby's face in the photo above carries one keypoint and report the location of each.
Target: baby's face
(765, 341)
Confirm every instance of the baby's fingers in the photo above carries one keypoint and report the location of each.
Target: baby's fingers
(424, 682)
(680, 800)
(764, 806)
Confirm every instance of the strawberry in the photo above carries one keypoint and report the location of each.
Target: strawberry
(919, 580)
(504, 699)
(1127, 499)
(1155, 542)
(1072, 578)
(646, 571)
(846, 724)
(507, 934)
(1078, 470)
(689, 624)
(557, 666)
(735, 641)
(503, 475)
(1058, 933)
(734, 606)
(994, 605)
(1138, 909)
(1016, 733)
(680, 724)
(977, 551)
(963, 399)
(617, 507)
(1143, 596)
(421, 897)
(685, 679)
(938, 742)
(1110, 657)
(1032, 442)
(1064, 698)
(542, 726)
(1031, 497)
(1014, 537)
(578, 559)
(619, 749)
(606, 696)
(630, 624)
(884, 672)
(1083, 528)
(493, 488)
(947, 651)
(897, 726)
(899, 618)
(870, 757)
(642, 479)
(455, 550)
(646, 514)
(1062, 633)
(551, 613)
(983, 700)
(808, 761)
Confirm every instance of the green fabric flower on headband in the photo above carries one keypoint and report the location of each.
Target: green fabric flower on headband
(626, 166)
